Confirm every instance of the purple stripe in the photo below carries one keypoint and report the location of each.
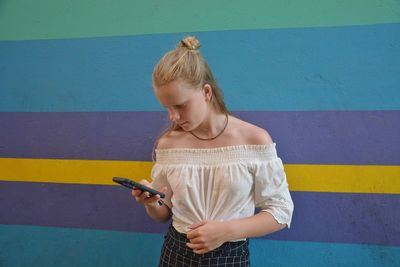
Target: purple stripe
(319, 217)
(309, 137)
(73, 205)
(344, 218)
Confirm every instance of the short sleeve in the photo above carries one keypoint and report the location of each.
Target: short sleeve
(159, 181)
(271, 192)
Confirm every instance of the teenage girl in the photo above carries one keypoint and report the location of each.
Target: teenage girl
(214, 168)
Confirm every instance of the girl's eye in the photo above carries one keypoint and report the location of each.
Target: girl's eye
(180, 106)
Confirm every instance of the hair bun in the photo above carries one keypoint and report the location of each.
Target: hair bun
(190, 42)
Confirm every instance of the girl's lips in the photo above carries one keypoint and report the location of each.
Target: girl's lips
(184, 125)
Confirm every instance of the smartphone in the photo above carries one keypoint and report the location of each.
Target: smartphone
(132, 185)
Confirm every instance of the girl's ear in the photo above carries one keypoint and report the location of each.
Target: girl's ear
(207, 92)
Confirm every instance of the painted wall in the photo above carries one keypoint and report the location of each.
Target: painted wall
(76, 108)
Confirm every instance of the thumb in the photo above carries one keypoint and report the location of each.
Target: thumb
(144, 182)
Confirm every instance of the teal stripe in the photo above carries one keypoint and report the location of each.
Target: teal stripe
(344, 68)
(309, 254)
(45, 246)
(48, 19)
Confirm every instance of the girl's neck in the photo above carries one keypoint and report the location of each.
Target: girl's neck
(212, 126)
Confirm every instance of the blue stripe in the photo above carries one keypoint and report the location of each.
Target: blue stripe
(310, 254)
(45, 246)
(337, 68)
(318, 137)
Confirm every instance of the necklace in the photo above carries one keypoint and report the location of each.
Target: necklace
(212, 138)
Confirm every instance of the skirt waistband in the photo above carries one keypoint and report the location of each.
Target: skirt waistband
(181, 240)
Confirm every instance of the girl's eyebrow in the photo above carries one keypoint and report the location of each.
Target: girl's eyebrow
(170, 106)
(177, 105)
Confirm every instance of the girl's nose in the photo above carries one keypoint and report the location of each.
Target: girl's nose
(173, 114)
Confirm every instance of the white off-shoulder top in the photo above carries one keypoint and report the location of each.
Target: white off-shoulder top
(224, 183)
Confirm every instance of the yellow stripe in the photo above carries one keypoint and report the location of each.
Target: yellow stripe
(71, 171)
(301, 177)
(344, 178)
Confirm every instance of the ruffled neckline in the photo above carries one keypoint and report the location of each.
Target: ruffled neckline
(220, 149)
(216, 155)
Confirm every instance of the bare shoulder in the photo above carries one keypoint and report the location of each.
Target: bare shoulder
(250, 133)
(169, 139)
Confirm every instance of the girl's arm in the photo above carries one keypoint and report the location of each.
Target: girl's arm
(157, 212)
(262, 223)
(208, 235)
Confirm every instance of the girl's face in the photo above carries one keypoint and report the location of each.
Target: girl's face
(187, 106)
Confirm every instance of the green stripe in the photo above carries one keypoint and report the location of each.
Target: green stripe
(48, 19)
(47, 246)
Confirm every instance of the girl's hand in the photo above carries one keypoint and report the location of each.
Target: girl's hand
(206, 236)
(143, 197)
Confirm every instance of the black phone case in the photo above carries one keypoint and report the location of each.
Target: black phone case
(132, 184)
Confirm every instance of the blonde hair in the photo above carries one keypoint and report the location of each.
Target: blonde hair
(187, 64)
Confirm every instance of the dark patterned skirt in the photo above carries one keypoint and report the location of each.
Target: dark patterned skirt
(175, 253)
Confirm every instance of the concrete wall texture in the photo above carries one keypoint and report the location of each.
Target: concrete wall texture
(77, 108)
